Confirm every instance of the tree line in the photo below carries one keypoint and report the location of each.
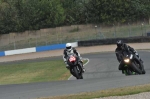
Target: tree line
(21, 15)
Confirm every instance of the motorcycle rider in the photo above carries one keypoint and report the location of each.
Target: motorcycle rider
(69, 49)
(124, 47)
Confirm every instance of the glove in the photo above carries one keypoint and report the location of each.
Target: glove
(67, 66)
(136, 54)
(134, 51)
(80, 58)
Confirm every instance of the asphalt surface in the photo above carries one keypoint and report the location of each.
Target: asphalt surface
(101, 73)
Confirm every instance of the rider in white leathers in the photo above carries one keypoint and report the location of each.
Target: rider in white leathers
(69, 49)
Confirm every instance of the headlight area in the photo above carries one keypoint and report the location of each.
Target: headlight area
(127, 60)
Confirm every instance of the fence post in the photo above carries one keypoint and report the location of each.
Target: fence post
(28, 39)
(145, 29)
(56, 35)
(0, 40)
(142, 28)
(78, 36)
(46, 36)
(36, 39)
(60, 35)
(9, 42)
(40, 39)
(96, 32)
(129, 30)
(14, 43)
(114, 30)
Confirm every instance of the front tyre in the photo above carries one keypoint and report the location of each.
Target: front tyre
(142, 68)
(76, 73)
(127, 72)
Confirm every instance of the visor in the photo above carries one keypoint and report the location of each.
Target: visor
(68, 47)
(119, 45)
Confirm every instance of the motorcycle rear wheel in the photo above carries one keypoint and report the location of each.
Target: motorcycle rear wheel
(137, 70)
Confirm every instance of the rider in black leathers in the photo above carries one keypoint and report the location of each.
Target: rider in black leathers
(124, 47)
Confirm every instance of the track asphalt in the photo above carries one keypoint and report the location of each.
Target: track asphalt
(101, 73)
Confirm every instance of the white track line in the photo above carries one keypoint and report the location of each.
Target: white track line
(83, 65)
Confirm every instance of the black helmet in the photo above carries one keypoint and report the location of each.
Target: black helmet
(120, 43)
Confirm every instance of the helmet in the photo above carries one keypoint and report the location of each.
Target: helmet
(120, 43)
(68, 46)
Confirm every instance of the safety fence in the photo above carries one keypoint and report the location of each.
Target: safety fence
(75, 44)
(73, 33)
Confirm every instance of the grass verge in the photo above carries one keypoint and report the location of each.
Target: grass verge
(34, 72)
(105, 93)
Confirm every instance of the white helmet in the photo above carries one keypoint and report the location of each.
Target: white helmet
(68, 46)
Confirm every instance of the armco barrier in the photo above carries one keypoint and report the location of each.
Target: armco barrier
(20, 51)
(76, 44)
(54, 47)
(36, 49)
(50, 47)
(113, 41)
(2, 53)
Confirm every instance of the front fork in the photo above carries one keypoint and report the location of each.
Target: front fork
(125, 70)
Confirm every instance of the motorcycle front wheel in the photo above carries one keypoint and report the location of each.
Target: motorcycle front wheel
(76, 73)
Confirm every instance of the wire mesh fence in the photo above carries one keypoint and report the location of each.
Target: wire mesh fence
(72, 33)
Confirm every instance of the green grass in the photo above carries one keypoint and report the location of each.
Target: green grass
(33, 72)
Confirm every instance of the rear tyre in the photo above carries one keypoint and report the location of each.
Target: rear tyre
(143, 72)
(141, 66)
(137, 70)
(81, 77)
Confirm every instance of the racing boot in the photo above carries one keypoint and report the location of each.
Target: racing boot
(67, 66)
(141, 60)
(123, 71)
(133, 73)
(81, 64)
(83, 69)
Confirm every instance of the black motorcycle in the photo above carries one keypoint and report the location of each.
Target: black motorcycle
(75, 66)
(132, 64)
